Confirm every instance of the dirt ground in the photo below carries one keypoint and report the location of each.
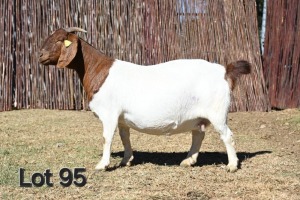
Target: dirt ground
(268, 146)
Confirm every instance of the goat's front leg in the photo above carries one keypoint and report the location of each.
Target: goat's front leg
(125, 137)
(108, 133)
(197, 138)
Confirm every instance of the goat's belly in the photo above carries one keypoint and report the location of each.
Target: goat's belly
(162, 127)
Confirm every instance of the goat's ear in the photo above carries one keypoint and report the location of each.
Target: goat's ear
(68, 51)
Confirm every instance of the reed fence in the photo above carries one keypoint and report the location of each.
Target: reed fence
(140, 31)
(282, 53)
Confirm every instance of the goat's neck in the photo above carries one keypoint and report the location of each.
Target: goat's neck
(92, 67)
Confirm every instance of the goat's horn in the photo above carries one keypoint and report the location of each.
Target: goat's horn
(74, 29)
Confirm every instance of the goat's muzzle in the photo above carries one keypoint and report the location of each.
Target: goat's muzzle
(44, 57)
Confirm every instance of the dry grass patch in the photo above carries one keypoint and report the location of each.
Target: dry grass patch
(268, 146)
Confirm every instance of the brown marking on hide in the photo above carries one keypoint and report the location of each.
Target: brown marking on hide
(92, 67)
(235, 70)
(51, 49)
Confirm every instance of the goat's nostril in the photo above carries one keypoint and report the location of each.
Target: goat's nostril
(41, 54)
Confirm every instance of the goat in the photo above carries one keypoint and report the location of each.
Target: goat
(163, 99)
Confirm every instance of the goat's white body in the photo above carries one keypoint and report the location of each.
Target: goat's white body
(167, 98)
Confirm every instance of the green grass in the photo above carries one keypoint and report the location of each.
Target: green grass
(8, 172)
(295, 120)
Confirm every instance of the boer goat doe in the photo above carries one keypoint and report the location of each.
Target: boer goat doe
(163, 99)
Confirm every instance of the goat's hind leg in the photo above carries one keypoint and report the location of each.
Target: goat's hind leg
(197, 138)
(125, 137)
(232, 157)
(226, 136)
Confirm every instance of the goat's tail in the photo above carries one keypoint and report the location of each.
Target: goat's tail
(235, 69)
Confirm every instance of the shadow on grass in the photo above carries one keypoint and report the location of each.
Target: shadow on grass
(170, 159)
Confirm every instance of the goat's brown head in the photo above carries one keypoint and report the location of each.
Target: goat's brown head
(60, 48)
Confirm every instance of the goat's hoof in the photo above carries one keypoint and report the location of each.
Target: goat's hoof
(101, 167)
(231, 168)
(126, 161)
(125, 164)
(187, 162)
